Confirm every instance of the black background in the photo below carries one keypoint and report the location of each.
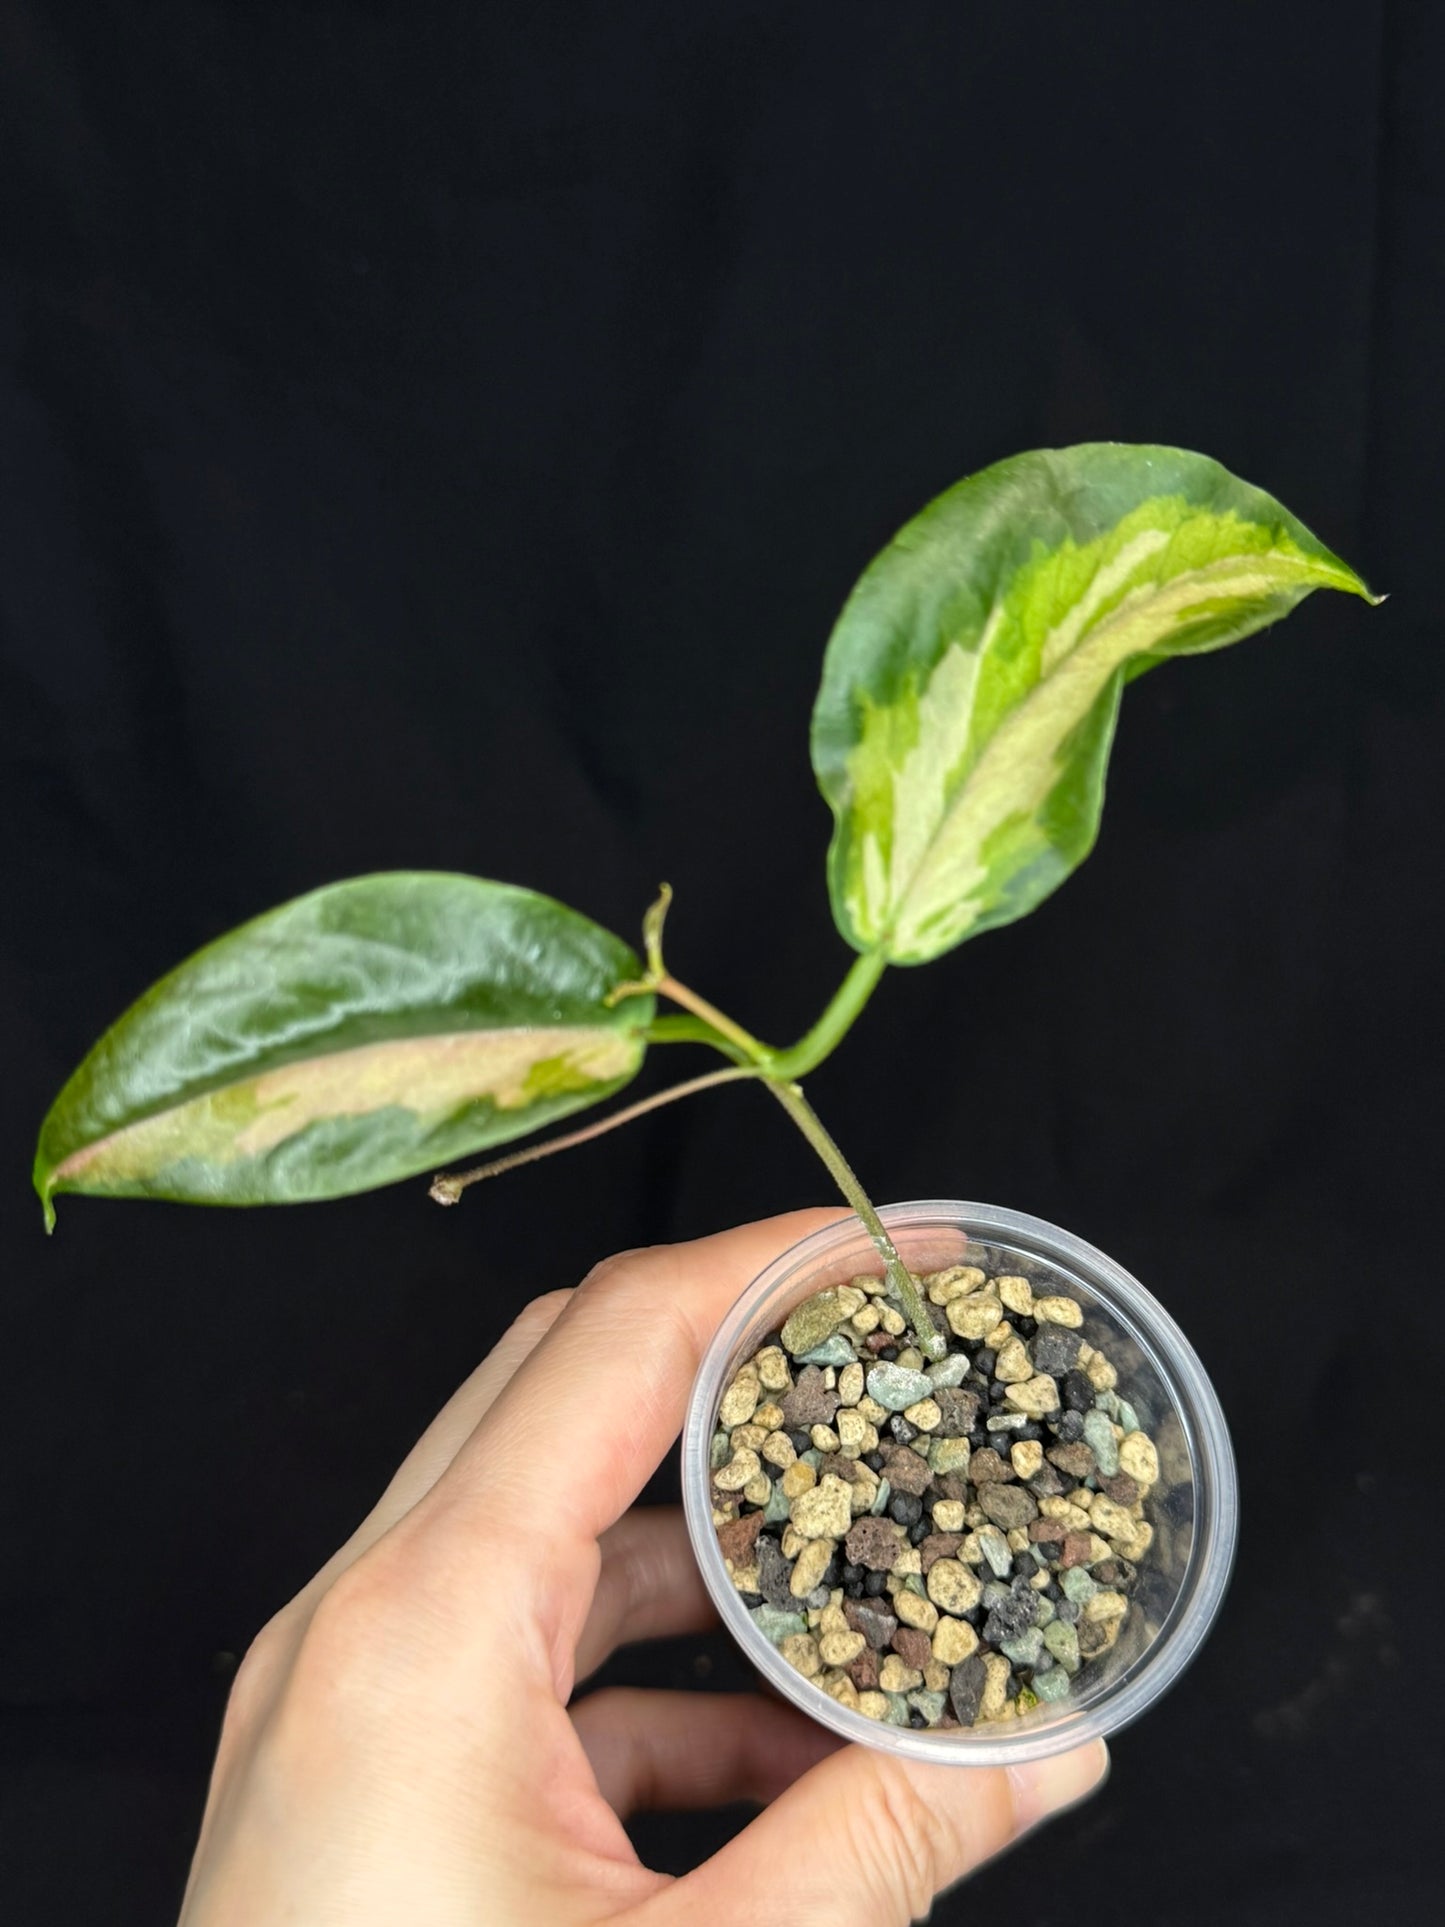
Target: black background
(441, 436)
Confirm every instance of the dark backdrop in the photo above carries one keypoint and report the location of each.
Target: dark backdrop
(441, 436)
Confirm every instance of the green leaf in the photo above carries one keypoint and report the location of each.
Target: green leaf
(366, 1032)
(970, 688)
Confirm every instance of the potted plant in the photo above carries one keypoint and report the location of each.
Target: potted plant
(949, 1451)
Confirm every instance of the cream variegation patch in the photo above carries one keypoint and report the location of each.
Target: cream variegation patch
(920, 781)
(983, 756)
(431, 1077)
(1113, 577)
(1022, 762)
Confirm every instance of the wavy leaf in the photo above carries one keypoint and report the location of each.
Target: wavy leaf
(369, 1031)
(971, 685)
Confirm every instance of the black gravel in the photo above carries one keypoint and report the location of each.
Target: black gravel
(965, 1689)
(1056, 1350)
(1011, 1618)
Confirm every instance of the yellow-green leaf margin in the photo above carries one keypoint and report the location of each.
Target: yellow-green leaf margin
(369, 1031)
(971, 685)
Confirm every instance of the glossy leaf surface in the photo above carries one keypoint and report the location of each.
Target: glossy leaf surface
(971, 685)
(370, 1031)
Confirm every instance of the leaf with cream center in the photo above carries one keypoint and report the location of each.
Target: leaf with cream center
(370, 1031)
(971, 685)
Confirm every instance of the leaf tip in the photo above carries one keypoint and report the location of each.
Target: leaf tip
(1342, 576)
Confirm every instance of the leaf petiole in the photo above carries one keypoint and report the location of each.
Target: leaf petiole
(836, 1021)
(447, 1187)
(780, 1072)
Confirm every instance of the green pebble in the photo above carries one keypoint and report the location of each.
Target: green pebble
(1099, 1434)
(896, 1388)
(1046, 1609)
(880, 1499)
(722, 1451)
(949, 1455)
(952, 1370)
(1078, 1586)
(930, 1705)
(1052, 1685)
(994, 1547)
(1025, 1650)
(1063, 1642)
(912, 1583)
(834, 1351)
(812, 1457)
(814, 1321)
(1107, 1402)
(775, 1624)
(776, 1511)
(898, 1709)
(1128, 1417)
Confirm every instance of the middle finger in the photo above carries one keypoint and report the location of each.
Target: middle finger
(649, 1586)
(448, 1432)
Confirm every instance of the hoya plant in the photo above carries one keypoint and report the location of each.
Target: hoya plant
(381, 1027)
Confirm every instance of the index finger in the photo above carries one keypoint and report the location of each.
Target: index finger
(584, 1423)
(611, 1379)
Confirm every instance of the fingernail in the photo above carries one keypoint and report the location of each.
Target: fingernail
(1043, 1787)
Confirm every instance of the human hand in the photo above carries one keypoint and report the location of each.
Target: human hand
(399, 1748)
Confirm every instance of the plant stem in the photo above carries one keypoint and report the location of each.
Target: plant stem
(754, 1051)
(791, 1097)
(710, 1026)
(448, 1187)
(692, 1030)
(779, 1070)
(834, 1024)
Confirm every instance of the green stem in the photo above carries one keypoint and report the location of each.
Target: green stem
(692, 1030)
(780, 1071)
(791, 1097)
(834, 1024)
(742, 1040)
(708, 1025)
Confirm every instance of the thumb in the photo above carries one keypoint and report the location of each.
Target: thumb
(867, 1840)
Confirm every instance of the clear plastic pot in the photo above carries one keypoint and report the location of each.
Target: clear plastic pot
(1194, 1508)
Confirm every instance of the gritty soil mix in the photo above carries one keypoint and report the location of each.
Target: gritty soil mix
(934, 1544)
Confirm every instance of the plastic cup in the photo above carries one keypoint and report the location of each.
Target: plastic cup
(1194, 1508)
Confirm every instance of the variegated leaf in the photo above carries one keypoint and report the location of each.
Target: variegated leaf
(970, 689)
(366, 1032)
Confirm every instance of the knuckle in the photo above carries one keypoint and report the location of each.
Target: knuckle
(609, 1275)
(355, 1622)
(639, 1298)
(349, 1675)
(913, 1858)
(537, 1317)
(360, 1600)
(614, 1291)
(924, 1844)
(396, 1613)
(632, 1285)
(263, 1668)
